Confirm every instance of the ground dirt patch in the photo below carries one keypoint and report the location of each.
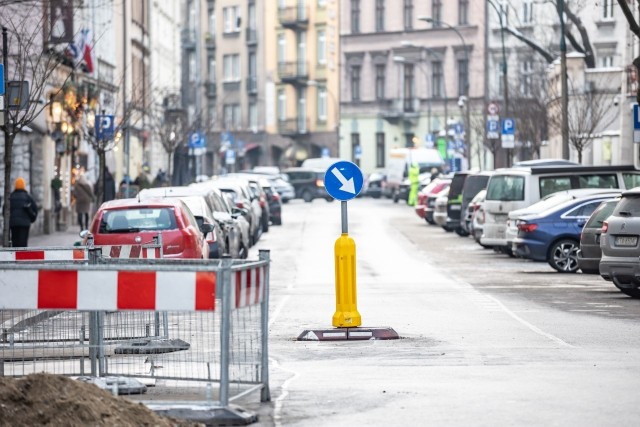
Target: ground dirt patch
(54, 400)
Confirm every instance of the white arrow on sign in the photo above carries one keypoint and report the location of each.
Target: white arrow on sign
(347, 184)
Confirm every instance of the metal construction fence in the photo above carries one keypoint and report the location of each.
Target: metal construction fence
(170, 333)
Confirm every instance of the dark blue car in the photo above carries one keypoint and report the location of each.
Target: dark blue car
(553, 235)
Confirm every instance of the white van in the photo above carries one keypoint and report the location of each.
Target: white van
(520, 187)
(320, 162)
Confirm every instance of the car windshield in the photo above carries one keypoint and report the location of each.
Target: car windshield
(137, 219)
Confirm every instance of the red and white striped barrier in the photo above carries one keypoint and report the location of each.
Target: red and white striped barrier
(248, 286)
(43, 254)
(130, 251)
(107, 290)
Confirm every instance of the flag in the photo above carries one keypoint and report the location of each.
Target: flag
(80, 50)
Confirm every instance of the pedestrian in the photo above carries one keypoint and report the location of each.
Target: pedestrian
(414, 181)
(434, 173)
(84, 196)
(23, 213)
(109, 186)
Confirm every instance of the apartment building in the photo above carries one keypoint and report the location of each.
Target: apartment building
(530, 70)
(411, 76)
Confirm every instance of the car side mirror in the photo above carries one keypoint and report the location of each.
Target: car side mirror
(206, 228)
(83, 234)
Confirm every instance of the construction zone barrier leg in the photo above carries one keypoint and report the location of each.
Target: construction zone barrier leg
(188, 338)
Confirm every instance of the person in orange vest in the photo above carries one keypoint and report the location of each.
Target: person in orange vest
(414, 182)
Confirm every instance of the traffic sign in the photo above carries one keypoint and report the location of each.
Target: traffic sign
(196, 140)
(357, 152)
(508, 133)
(428, 141)
(493, 109)
(18, 95)
(230, 157)
(105, 128)
(325, 152)
(636, 123)
(459, 128)
(1, 79)
(493, 127)
(227, 139)
(343, 180)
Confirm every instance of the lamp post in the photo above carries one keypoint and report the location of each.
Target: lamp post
(467, 133)
(563, 80)
(505, 79)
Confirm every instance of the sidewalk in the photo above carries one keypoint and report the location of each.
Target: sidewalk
(58, 238)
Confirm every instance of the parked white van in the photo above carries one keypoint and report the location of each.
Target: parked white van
(519, 187)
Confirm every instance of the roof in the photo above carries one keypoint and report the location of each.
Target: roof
(161, 192)
(150, 202)
(538, 170)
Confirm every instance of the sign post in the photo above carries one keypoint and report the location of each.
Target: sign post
(343, 181)
(636, 124)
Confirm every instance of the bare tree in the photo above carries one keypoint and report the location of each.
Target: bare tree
(635, 29)
(169, 124)
(529, 109)
(28, 60)
(590, 112)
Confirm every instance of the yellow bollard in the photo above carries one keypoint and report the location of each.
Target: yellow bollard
(346, 314)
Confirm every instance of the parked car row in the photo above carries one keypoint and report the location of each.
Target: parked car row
(224, 215)
(572, 217)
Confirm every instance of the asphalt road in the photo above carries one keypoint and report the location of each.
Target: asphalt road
(486, 340)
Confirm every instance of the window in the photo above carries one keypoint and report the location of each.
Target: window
(322, 47)
(436, 11)
(355, 83)
(463, 76)
(322, 104)
(606, 61)
(322, 3)
(253, 116)
(231, 65)
(409, 87)
(584, 210)
(355, 147)
(211, 68)
(231, 116)
(379, 15)
(231, 17)
(607, 9)
(212, 22)
(282, 48)
(554, 184)
(252, 64)
(527, 11)
(463, 12)
(408, 139)
(355, 16)
(506, 188)
(191, 58)
(282, 105)
(380, 79)
(380, 150)
(526, 77)
(408, 14)
(437, 79)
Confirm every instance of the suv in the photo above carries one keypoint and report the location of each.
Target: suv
(619, 244)
(308, 183)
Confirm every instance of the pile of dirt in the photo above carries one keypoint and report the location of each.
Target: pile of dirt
(45, 399)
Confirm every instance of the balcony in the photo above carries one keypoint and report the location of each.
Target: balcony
(252, 36)
(211, 89)
(210, 41)
(252, 85)
(295, 17)
(394, 110)
(293, 127)
(188, 38)
(293, 72)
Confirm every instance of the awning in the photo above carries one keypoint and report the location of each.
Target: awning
(251, 146)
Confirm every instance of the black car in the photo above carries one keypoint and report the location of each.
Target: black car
(474, 183)
(590, 253)
(308, 183)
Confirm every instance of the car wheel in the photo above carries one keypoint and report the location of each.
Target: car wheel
(429, 221)
(462, 233)
(265, 225)
(277, 221)
(307, 196)
(285, 201)
(633, 293)
(329, 199)
(589, 271)
(395, 198)
(447, 229)
(563, 256)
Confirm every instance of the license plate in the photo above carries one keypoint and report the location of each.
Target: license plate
(455, 207)
(626, 240)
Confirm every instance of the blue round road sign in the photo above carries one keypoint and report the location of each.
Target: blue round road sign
(343, 180)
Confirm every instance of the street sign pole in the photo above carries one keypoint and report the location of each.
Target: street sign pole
(343, 181)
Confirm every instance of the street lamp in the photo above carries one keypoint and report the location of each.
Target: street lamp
(467, 133)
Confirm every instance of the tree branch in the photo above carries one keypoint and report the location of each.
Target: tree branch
(531, 43)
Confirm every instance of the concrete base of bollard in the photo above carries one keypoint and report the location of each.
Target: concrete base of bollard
(231, 415)
(349, 334)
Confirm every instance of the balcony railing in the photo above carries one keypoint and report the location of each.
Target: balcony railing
(210, 41)
(294, 17)
(252, 85)
(212, 89)
(188, 37)
(294, 126)
(400, 108)
(252, 36)
(293, 72)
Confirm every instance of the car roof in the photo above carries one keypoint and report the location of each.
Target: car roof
(161, 192)
(573, 201)
(633, 192)
(147, 202)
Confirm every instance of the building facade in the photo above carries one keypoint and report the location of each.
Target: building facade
(411, 76)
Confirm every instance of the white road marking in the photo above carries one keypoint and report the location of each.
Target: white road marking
(277, 416)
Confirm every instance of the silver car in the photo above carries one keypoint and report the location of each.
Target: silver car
(619, 244)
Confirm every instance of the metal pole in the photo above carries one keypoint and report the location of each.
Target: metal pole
(563, 80)
(265, 393)
(124, 99)
(345, 224)
(7, 151)
(225, 329)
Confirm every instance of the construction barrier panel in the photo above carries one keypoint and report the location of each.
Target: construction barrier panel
(184, 335)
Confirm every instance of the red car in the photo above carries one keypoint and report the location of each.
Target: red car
(423, 208)
(133, 222)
